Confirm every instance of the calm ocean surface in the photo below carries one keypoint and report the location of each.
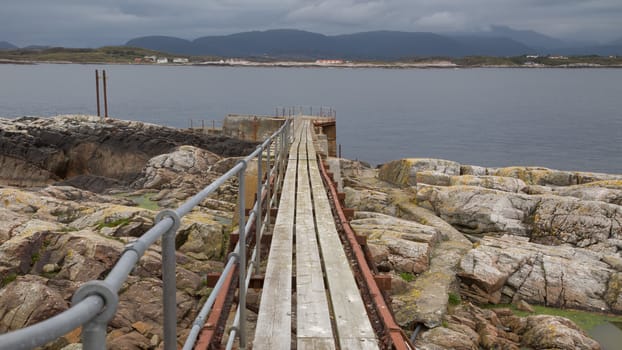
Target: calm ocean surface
(567, 119)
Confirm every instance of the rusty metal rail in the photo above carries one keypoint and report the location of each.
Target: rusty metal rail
(392, 335)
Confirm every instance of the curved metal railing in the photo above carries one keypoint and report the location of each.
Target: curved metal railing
(94, 304)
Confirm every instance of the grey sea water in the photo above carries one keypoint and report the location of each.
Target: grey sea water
(567, 119)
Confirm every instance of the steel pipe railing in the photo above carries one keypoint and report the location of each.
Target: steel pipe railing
(95, 302)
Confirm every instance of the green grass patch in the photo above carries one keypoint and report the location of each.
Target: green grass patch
(8, 279)
(115, 223)
(407, 276)
(145, 202)
(142, 201)
(454, 299)
(584, 319)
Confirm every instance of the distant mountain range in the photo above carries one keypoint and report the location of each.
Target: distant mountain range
(499, 41)
(377, 45)
(5, 45)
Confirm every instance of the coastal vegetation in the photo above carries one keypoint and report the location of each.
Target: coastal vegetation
(107, 54)
(133, 55)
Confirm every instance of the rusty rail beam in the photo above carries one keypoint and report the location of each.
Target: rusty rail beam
(213, 325)
(399, 340)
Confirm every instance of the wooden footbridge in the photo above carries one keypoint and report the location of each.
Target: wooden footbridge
(317, 288)
(329, 309)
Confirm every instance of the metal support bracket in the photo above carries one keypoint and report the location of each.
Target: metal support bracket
(233, 255)
(169, 213)
(103, 290)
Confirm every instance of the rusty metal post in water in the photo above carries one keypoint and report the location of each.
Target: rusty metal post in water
(105, 94)
(97, 91)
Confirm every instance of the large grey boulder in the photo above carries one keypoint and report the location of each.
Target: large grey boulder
(554, 332)
(552, 177)
(403, 172)
(603, 191)
(500, 183)
(558, 220)
(479, 210)
(163, 170)
(507, 269)
(545, 218)
(404, 245)
(28, 300)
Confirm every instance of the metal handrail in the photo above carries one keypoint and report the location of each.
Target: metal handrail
(95, 302)
(319, 111)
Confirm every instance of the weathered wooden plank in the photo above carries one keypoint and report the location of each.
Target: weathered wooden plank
(354, 329)
(358, 343)
(312, 311)
(315, 344)
(273, 330)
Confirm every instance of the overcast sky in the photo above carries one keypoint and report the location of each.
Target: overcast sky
(90, 23)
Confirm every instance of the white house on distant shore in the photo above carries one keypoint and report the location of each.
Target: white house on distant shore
(180, 60)
(328, 62)
(162, 60)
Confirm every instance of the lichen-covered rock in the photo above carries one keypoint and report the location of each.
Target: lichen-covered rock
(433, 178)
(369, 200)
(470, 327)
(426, 298)
(403, 172)
(559, 220)
(149, 310)
(202, 237)
(506, 184)
(603, 191)
(546, 219)
(376, 226)
(28, 300)
(507, 269)
(545, 176)
(408, 244)
(479, 210)
(553, 332)
(446, 338)
(539, 176)
(9, 220)
(475, 170)
(164, 170)
(39, 151)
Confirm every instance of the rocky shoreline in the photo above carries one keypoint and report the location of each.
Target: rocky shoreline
(454, 238)
(515, 235)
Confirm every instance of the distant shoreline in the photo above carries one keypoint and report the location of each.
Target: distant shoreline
(350, 65)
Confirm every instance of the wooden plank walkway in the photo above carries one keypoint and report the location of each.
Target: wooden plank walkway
(330, 312)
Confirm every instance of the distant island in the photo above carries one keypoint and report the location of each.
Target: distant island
(501, 47)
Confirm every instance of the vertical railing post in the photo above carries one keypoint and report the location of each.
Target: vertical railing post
(259, 213)
(94, 332)
(169, 289)
(242, 257)
(268, 176)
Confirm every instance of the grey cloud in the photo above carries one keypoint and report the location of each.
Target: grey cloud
(96, 23)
